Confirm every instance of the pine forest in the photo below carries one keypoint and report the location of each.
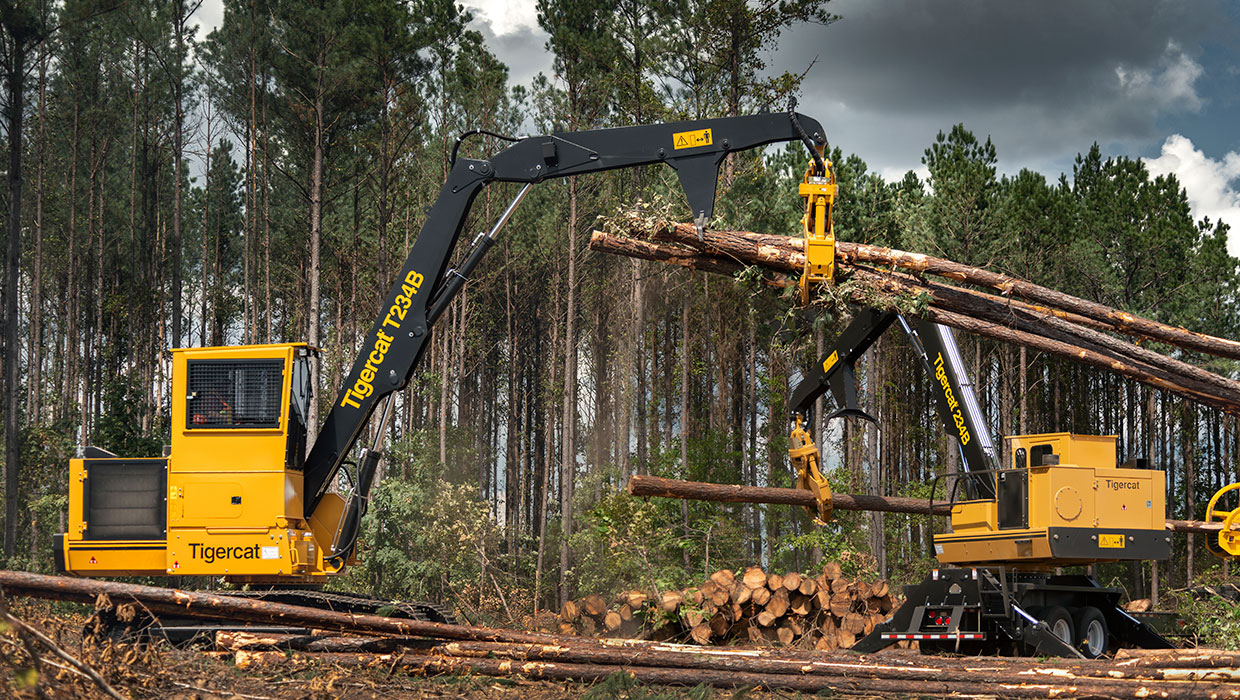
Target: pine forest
(264, 181)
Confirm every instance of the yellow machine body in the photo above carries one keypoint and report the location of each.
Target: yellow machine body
(1060, 502)
(227, 499)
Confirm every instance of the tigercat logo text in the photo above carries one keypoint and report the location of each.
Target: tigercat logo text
(1122, 485)
(952, 404)
(211, 554)
(365, 384)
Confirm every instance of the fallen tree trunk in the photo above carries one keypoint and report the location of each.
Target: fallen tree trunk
(213, 606)
(1078, 333)
(1098, 675)
(646, 486)
(1031, 685)
(861, 253)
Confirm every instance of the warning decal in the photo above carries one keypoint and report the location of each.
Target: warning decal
(691, 139)
(1111, 541)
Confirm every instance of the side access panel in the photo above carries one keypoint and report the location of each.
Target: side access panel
(118, 518)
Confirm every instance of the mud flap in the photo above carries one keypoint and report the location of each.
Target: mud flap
(1129, 629)
(1044, 643)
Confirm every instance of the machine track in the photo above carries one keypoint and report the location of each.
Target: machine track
(194, 632)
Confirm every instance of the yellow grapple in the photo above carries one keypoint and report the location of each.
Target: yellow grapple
(804, 455)
(818, 190)
(1228, 537)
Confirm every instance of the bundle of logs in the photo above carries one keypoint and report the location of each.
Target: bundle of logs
(825, 612)
(997, 306)
(391, 645)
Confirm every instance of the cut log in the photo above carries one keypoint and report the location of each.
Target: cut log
(778, 604)
(840, 586)
(785, 633)
(766, 618)
(754, 577)
(646, 486)
(719, 625)
(625, 612)
(741, 593)
(671, 601)
(612, 621)
(761, 595)
(792, 581)
(774, 582)
(1139, 605)
(568, 611)
(799, 604)
(700, 633)
(723, 578)
(841, 604)
(594, 605)
(853, 622)
(832, 570)
(808, 586)
(845, 639)
(636, 599)
(823, 597)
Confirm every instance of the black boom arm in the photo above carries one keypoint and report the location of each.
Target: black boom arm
(953, 390)
(424, 285)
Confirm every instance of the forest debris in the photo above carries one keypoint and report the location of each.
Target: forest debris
(60, 653)
(645, 486)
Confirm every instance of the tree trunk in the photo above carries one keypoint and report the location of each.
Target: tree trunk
(178, 152)
(568, 447)
(15, 87)
(684, 422)
(316, 236)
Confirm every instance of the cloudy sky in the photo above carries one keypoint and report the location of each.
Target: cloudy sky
(1149, 78)
(1158, 79)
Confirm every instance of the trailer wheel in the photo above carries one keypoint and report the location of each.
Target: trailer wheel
(1092, 636)
(1060, 622)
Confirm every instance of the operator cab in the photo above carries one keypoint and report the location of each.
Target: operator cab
(227, 499)
(1061, 501)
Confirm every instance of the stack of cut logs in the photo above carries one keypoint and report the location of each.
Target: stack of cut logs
(828, 611)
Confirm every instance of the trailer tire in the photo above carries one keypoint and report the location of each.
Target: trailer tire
(1060, 622)
(1092, 635)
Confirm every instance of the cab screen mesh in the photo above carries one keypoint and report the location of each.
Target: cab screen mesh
(234, 393)
(124, 499)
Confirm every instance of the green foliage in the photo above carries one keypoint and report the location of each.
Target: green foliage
(1214, 622)
(120, 428)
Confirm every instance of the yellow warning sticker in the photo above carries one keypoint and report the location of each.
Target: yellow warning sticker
(828, 363)
(691, 139)
(1111, 541)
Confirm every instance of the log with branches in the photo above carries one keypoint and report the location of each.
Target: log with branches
(1009, 309)
(646, 486)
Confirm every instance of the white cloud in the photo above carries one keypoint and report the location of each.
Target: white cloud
(1170, 88)
(505, 16)
(1211, 184)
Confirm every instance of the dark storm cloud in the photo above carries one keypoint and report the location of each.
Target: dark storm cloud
(522, 48)
(1045, 79)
